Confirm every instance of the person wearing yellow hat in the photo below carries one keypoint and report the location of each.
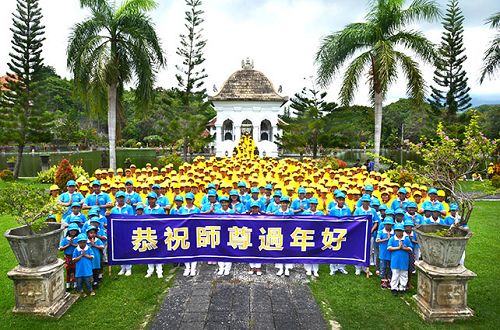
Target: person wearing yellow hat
(441, 195)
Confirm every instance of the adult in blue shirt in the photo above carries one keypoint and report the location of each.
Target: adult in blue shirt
(275, 203)
(69, 197)
(242, 186)
(132, 198)
(153, 207)
(190, 208)
(212, 204)
(178, 208)
(284, 209)
(433, 202)
(121, 207)
(210, 186)
(366, 209)
(369, 191)
(401, 202)
(162, 200)
(300, 204)
(98, 198)
(313, 208)
(235, 203)
(254, 197)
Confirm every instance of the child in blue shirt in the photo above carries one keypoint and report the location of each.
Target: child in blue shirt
(400, 247)
(97, 247)
(274, 205)
(177, 209)
(121, 207)
(366, 209)
(382, 240)
(82, 257)
(224, 267)
(338, 209)
(75, 214)
(68, 245)
(284, 210)
(453, 217)
(312, 269)
(412, 214)
(413, 254)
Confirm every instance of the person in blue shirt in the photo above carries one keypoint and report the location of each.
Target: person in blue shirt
(69, 197)
(400, 202)
(97, 247)
(254, 197)
(339, 209)
(435, 217)
(454, 217)
(153, 208)
(82, 257)
(98, 198)
(211, 205)
(384, 256)
(366, 209)
(224, 267)
(242, 186)
(177, 209)
(235, 203)
(190, 208)
(312, 269)
(139, 209)
(399, 215)
(427, 216)
(121, 207)
(369, 191)
(162, 200)
(275, 203)
(75, 214)
(400, 247)
(408, 224)
(284, 209)
(132, 198)
(68, 245)
(412, 214)
(433, 202)
(266, 199)
(210, 187)
(300, 204)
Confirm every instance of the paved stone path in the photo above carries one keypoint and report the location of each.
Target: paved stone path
(239, 301)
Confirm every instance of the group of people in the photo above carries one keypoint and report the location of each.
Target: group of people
(246, 184)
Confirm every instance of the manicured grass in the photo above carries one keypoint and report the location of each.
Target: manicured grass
(26, 181)
(356, 302)
(477, 186)
(120, 303)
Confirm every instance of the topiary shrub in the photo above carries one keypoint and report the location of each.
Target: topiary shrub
(6, 175)
(495, 181)
(64, 173)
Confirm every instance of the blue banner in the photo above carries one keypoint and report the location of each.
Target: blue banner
(239, 238)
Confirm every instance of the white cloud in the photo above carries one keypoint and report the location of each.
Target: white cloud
(281, 36)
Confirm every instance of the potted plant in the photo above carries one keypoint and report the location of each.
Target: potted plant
(35, 242)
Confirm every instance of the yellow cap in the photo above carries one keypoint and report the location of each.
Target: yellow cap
(54, 187)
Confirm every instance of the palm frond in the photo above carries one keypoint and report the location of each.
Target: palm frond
(416, 85)
(427, 10)
(129, 7)
(494, 20)
(417, 42)
(351, 78)
(491, 60)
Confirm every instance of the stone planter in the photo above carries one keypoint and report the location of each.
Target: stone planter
(35, 250)
(441, 251)
(442, 281)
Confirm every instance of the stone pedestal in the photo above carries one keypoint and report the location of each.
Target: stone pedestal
(41, 290)
(442, 292)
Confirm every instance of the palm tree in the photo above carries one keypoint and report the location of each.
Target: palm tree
(492, 56)
(114, 45)
(376, 43)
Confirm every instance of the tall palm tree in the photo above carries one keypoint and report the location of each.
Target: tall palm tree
(376, 45)
(114, 45)
(492, 55)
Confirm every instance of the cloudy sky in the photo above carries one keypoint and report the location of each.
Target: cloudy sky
(281, 36)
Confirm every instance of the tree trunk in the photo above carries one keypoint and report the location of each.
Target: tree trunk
(378, 128)
(17, 167)
(112, 124)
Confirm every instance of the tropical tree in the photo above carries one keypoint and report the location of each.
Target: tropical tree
(492, 55)
(23, 118)
(113, 46)
(376, 43)
(451, 91)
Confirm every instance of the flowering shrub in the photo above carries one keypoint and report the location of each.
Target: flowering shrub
(448, 160)
(335, 163)
(48, 175)
(64, 173)
(6, 175)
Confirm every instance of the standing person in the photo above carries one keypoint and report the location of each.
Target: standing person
(275, 203)
(75, 214)
(433, 202)
(121, 207)
(153, 208)
(178, 208)
(283, 210)
(190, 208)
(413, 255)
(132, 198)
(384, 256)
(97, 247)
(339, 209)
(312, 269)
(235, 203)
(400, 247)
(212, 204)
(82, 258)
(412, 215)
(300, 204)
(401, 202)
(224, 267)
(69, 197)
(98, 198)
(366, 209)
(68, 245)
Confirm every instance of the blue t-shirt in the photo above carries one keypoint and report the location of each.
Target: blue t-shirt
(309, 212)
(371, 211)
(156, 210)
(400, 259)
(297, 202)
(186, 211)
(272, 207)
(81, 218)
(126, 209)
(448, 221)
(69, 250)
(205, 207)
(163, 201)
(281, 212)
(96, 261)
(103, 199)
(335, 211)
(238, 207)
(176, 211)
(399, 204)
(437, 205)
(262, 205)
(221, 211)
(417, 219)
(84, 265)
(134, 198)
(383, 253)
(359, 203)
(65, 198)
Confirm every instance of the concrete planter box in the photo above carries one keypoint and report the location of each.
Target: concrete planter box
(441, 251)
(35, 250)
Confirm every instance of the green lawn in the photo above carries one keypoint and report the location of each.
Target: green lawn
(356, 302)
(120, 303)
(477, 186)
